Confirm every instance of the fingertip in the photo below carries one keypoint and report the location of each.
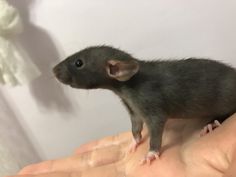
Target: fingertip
(37, 168)
(25, 170)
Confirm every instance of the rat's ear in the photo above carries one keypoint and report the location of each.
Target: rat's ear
(122, 70)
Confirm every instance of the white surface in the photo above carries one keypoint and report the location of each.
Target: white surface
(16, 150)
(59, 119)
(8, 163)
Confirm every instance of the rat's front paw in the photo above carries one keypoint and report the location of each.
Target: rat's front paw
(210, 127)
(135, 143)
(151, 156)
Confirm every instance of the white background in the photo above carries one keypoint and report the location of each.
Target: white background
(58, 118)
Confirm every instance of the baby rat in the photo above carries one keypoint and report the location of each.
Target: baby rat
(154, 91)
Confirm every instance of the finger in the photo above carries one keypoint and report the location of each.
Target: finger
(104, 171)
(42, 167)
(108, 141)
(79, 162)
(54, 174)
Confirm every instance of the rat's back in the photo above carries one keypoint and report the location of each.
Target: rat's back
(187, 88)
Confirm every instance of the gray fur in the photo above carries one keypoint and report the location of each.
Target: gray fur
(161, 89)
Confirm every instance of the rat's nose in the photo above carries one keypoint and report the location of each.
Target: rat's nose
(61, 73)
(56, 69)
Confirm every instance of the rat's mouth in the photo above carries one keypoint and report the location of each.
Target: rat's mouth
(64, 79)
(73, 85)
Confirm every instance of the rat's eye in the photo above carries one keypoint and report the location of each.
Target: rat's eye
(78, 63)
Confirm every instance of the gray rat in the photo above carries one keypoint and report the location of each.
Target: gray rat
(154, 91)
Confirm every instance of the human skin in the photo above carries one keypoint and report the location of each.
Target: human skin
(184, 154)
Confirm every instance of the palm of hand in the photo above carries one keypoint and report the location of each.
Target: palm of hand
(184, 153)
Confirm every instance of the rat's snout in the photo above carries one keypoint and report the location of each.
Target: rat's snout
(62, 74)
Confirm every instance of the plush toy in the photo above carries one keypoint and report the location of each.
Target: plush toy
(15, 67)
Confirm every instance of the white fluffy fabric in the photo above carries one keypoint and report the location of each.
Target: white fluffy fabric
(15, 67)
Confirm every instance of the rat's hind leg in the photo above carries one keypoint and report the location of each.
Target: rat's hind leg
(215, 123)
(210, 127)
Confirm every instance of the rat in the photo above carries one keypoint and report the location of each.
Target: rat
(153, 91)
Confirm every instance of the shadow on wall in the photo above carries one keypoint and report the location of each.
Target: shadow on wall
(42, 51)
(15, 141)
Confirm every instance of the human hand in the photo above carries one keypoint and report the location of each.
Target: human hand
(184, 153)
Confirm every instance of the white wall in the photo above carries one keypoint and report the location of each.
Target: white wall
(58, 118)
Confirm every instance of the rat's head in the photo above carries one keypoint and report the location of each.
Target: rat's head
(96, 67)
